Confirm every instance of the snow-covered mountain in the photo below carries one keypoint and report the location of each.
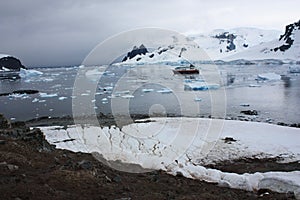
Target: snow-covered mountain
(285, 47)
(228, 45)
(221, 43)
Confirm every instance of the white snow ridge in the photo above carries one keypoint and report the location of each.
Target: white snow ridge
(179, 144)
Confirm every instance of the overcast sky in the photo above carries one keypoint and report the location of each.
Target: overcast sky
(63, 32)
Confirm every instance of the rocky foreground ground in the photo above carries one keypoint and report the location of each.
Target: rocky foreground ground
(31, 168)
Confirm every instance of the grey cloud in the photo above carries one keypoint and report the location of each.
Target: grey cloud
(62, 32)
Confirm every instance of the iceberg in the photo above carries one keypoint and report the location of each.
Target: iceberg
(200, 86)
(269, 76)
(29, 73)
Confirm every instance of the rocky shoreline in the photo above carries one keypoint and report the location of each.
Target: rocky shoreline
(31, 168)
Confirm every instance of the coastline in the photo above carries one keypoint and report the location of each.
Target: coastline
(32, 166)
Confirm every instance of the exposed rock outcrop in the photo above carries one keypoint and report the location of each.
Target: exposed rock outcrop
(142, 50)
(10, 63)
(229, 39)
(288, 36)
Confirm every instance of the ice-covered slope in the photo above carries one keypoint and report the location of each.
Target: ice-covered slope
(179, 50)
(287, 46)
(222, 43)
(209, 46)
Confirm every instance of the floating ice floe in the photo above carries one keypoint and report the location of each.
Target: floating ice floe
(294, 69)
(45, 95)
(200, 86)
(123, 92)
(128, 96)
(47, 79)
(94, 72)
(164, 91)
(147, 90)
(107, 88)
(269, 76)
(29, 72)
(22, 96)
(254, 85)
(56, 86)
(198, 99)
(62, 98)
(179, 145)
(38, 100)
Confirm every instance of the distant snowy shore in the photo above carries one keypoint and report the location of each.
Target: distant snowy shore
(180, 146)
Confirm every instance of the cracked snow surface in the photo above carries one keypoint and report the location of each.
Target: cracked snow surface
(183, 145)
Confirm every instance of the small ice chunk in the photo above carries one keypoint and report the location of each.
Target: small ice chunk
(147, 90)
(198, 99)
(35, 100)
(294, 69)
(123, 92)
(23, 96)
(94, 72)
(254, 85)
(47, 79)
(164, 91)
(62, 98)
(56, 86)
(107, 88)
(128, 96)
(269, 76)
(45, 95)
(200, 86)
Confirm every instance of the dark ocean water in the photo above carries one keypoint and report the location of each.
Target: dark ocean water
(154, 90)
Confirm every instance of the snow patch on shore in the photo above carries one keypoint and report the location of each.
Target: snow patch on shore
(179, 145)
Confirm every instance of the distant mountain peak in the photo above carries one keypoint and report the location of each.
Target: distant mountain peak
(142, 50)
